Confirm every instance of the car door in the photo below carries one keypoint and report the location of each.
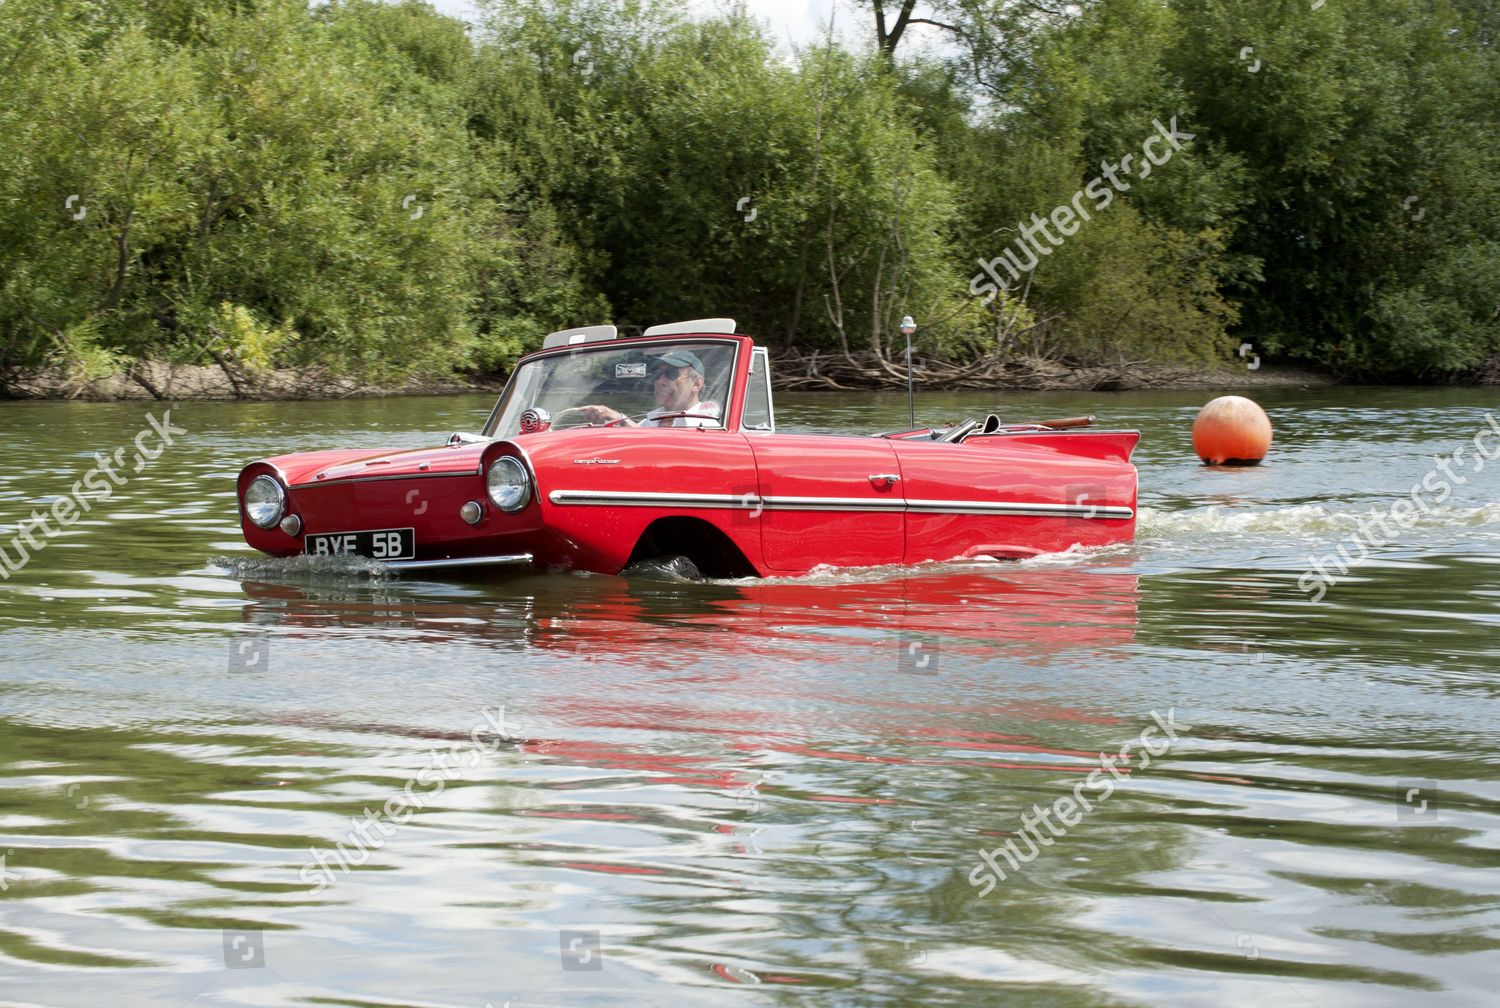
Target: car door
(827, 500)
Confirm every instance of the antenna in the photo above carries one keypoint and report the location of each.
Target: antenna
(909, 326)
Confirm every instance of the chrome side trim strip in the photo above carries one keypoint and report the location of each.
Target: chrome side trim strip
(754, 502)
(831, 504)
(629, 498)
(378, 479)
(484, 561)
(1032, 510)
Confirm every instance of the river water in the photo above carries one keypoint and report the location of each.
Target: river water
(759, 793)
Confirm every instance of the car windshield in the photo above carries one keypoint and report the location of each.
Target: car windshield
(622, 379)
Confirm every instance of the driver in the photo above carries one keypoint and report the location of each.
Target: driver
(678, 382)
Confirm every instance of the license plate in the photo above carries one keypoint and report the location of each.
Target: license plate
(376, 544)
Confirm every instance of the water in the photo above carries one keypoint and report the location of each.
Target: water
(759, 792)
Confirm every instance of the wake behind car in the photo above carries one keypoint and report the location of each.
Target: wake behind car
(603, 452)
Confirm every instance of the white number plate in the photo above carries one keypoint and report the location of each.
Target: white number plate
(378, 544)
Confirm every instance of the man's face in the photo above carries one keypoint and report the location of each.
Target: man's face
(677, 388)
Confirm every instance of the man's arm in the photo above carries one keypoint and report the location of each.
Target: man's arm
(603, 415)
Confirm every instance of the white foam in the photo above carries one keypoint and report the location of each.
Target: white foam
(303, 568)
(1309, 520)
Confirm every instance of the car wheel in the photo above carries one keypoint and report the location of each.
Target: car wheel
(664, 568)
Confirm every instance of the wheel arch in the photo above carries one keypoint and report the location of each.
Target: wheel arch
(714, 551)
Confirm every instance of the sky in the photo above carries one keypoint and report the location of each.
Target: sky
(794, 22)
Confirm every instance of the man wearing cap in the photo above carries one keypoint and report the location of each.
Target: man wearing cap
(678, 381)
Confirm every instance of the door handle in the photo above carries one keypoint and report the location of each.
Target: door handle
(886, 480)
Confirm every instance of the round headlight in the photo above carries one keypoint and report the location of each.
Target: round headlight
(508, 485)
(264, 501)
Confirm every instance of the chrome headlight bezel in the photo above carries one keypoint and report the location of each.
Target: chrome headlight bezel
(508, 484)
(274, 498)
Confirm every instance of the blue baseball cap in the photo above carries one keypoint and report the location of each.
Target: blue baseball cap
(679, 358)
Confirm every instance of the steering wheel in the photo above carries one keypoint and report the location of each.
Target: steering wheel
(662, 416)
(589, 423)
(631, 419)
(564, 412)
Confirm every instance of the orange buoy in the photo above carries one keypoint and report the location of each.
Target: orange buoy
(1232, 430)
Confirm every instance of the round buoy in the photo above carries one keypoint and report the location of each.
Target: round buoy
(1232, 430)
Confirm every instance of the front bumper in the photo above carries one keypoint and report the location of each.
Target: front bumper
(503, 560)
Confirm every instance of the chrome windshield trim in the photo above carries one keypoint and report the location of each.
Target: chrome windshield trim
(483, 561)
(737, 340)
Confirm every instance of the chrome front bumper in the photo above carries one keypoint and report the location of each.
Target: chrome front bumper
(506, 560)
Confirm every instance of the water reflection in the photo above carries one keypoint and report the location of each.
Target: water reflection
(753, 791)
(629, 619)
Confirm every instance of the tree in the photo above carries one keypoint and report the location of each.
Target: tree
(1369, 141)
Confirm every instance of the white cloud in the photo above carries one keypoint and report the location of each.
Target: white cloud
(792, 22)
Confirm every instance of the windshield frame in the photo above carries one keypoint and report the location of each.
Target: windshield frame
(729, 410)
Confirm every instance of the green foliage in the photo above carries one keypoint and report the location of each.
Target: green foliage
(1142, 279)
(313, 167)
(254, 345)
(372, 187)
(702, 175)
(79, 356)
(1370, 138)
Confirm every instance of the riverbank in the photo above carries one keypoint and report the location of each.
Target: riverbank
(816, 372)
(192, 383)
(185, 383)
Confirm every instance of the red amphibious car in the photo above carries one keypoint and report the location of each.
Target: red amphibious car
(603, 452)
